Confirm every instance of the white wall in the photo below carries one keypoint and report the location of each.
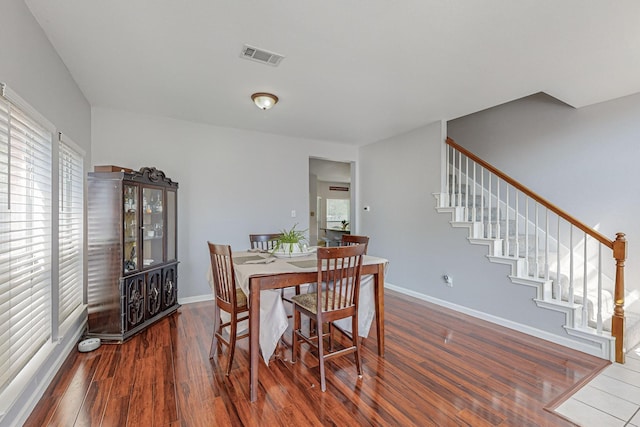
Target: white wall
(33, 70)
(232, 182)
(397, 179)
(31, 67)
(582, 160)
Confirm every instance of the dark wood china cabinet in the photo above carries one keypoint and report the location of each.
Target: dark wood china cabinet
(132, 250)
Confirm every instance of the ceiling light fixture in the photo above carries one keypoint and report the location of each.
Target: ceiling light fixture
(264, 100)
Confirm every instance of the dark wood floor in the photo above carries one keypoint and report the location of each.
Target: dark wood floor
(441, 368)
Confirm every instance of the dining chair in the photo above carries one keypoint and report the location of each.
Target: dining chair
(352, 239)
(264, 242)
(339, 270)
(229, 298)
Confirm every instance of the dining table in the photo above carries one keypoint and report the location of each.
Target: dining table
(260, 272)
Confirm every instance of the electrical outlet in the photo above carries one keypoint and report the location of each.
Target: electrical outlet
(448, 280)
(293, 214)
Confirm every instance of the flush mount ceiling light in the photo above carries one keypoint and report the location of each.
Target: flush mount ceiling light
(264, 100)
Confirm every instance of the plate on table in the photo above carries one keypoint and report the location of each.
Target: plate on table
(310, 250)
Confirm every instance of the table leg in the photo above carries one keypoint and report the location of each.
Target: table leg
(379, 295)
(254, 334)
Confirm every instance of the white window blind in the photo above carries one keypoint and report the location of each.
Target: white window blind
(70, 232)
(25, 237)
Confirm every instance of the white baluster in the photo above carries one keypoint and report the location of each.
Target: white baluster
(458, 198)
(526, 236)
(546, 245)
(506, 231)
(516, 252)
(585, 299)
(536, 249)
(571, 289)
(474, 209)
(466, 190)
(489, 195)
(599, 325)
(497, 208)
(448, 184)
(482, 202)
(557, 288)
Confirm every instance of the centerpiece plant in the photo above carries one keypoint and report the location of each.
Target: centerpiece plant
(290, 241)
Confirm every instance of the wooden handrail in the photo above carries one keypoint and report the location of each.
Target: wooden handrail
(618, 246)
(590, 231)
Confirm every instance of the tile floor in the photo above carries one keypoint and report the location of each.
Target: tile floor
(610, 399)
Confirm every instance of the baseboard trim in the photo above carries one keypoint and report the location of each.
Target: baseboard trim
(197, 298)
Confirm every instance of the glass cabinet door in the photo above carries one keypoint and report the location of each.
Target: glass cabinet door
(171, 225)
(131, 227)
(152, 226)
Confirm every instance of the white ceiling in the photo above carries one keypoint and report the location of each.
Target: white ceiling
(355, 71)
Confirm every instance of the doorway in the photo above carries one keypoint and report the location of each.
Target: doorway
(331, 199)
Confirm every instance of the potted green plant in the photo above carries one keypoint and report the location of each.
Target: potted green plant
(290, 241)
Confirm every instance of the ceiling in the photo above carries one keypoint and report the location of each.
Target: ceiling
(355, 71)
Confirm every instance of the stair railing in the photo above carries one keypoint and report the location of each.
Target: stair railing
(508, 210)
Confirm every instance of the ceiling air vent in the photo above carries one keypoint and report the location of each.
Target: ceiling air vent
(261, 55)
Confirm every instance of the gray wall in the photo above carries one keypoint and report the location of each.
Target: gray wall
(582, 160)
(232, 182)
(33, 70)
(398, 177)
(31, 67)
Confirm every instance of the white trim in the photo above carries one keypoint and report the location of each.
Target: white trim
(69, 142)
(15, 99)
(197, 298)
(525, 329)
(79, 314)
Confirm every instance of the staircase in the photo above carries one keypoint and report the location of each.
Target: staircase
(574, 269)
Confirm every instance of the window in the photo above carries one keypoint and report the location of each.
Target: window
(70, 228)
(337, 212)
(41, 266)
(25, 238)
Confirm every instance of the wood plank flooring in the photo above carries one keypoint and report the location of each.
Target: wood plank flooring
(441, 368)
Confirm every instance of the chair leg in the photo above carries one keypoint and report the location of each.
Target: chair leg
(216, 328)
(212, 351)
(330, 327)
(295, 343)
(323, 384)
(232, 342)
(356, 343)
(312, 327)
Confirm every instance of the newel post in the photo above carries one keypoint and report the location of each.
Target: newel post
(617, 321)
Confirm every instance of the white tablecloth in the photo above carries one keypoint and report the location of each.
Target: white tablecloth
(273, 316)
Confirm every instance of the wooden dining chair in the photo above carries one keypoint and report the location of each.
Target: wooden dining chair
(264, 242)
(339, 270)
(352, 239)
(228, 298)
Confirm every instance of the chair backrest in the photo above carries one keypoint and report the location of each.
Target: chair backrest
(339, 270)
(352, 239)
(265, 242)
(224, 283)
